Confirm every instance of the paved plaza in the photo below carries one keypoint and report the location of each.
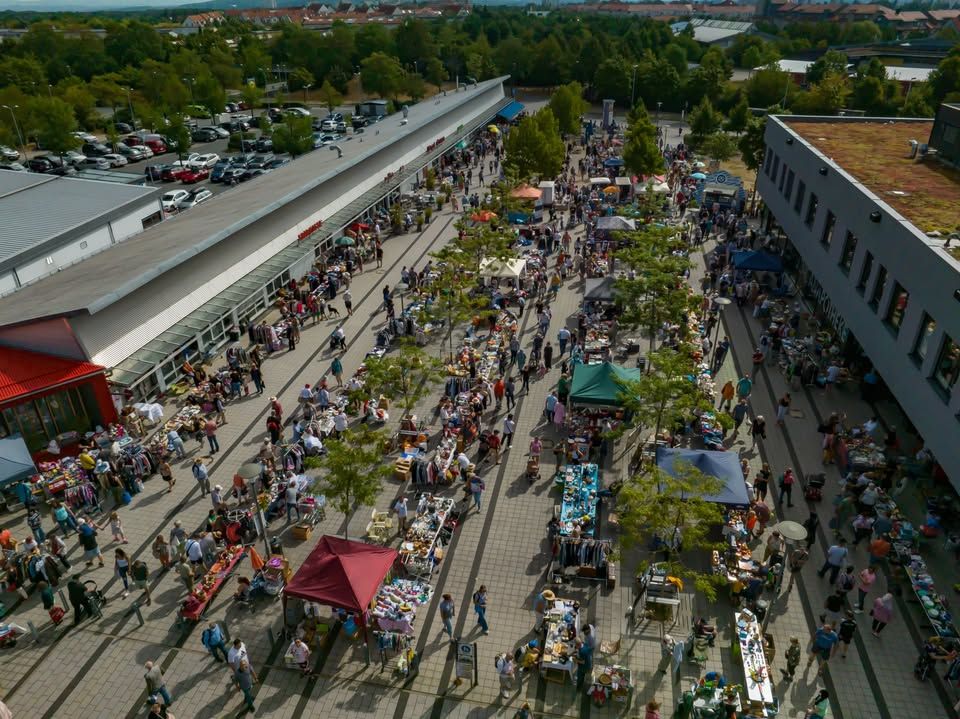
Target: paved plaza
(96, 670)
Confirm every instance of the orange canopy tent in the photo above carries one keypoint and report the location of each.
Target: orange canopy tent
(525, 192)
(483, 216)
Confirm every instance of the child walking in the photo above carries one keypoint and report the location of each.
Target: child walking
(116, 528)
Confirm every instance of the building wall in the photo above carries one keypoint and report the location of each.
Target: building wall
(53, 337)
(910, 260)
(8, 283)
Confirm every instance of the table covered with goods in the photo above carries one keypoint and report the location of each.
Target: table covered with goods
(931, 601)
(757, 682)
(578, 510)
(212, 582)
(422, 547)
(395, 608)
(562, 622)
(611, 683)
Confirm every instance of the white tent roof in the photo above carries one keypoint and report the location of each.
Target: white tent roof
(493, 267)
(599, 180)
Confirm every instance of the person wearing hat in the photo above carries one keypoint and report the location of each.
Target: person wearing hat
(540, 605)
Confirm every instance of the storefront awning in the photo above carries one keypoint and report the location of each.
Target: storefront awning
(24, 373)
(15, 460)
(511, 111)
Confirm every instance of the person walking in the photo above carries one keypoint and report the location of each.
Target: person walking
(563, 337)
(141, 575)
(290, 497)
(792, 655)
(244, 677)
(786, 485)
(882, 613)
(509, 428)
(744, 387)
(210, 430)
(121, 567)
(480, 607)
(506, 671)
(798, 557)
(202, 476)
(65, 518)
(301, 655)
(758, 430)
(846, 630)
(447, 612)
(836, 558)
(175, 443)
(212, 638)
(348, 302)
(726, 396)
(35, 523)
(548, 356)
(476, 489)
(88, 540)
(58, 549)
(509, 389)
(166, 474)
(401, 509)
(185, 570)
(156, 684)
(810, 524)
(819, 706)
(77, 593)
(823, 646)
(865, 581)
(237, 653)
(549, 406)
(739, 414)
(161, 551)
(256, 374)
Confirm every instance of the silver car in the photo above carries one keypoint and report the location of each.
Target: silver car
(115, 160)
(93, 163)
(9, 154)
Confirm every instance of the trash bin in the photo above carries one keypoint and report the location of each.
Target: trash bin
(275, 546)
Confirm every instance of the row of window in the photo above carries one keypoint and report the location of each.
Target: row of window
(40, 420)
(947, 368)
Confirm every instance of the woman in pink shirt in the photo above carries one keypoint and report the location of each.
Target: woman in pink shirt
(865, 580)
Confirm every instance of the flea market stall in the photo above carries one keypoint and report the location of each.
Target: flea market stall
(562, 623)
(595, 398)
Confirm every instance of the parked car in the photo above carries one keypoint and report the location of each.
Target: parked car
(194, 175)
(260, 161)
(9, 154)
(122, 127)
(204, 134)
(220, 132)
(216, 174)
(132, 154)
(153, 173)
(39, 164)
(198, 111)
(206, 160)
(358, 122)
(252, 172)
(262, 122)
(95, 149)
(186, 161)
(171, 173)
(94, 163)
(13, 167)
(156, 143)
(231, 107)
(235, 126)
(278, 162)
(194, 198)
(74, 157)
(275, 114)
(115, 160)
(264, 144)
(243, 159)
(296, 112)
(170, 200)
(64, 171)
(232, 175)
(85, 136)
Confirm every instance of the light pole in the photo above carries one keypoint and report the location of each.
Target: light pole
(133, 119)
(721, 303)
(50, 90)
(659, 103)
(16, 127)
(633, 87)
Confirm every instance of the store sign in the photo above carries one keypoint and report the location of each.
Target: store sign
(310, 230)
(435, 144)
(466, 667)
(831, 313)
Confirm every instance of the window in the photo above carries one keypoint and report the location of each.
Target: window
(898, 306)
(865, 272)
(767, 162)
(948, 365)
(922, 345)
(789, 188)
(878, 288)
(811, 215)
(783, 176)
(827, 237)
(776, 167)
(849, 250)
(798, 200)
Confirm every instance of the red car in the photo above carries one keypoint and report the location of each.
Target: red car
(171, 173)
(191, 177)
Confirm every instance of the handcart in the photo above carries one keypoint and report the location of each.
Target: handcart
(814, 489)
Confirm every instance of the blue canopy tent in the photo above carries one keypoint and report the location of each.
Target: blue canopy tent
(16, 464)
(511, 111)
(757, 261)
(725, 466)
(613, 162)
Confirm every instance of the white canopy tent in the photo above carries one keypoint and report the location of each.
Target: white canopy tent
(598, 181)
(492, 267)
(659, 187)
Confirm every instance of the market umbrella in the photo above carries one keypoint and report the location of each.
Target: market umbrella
(359, 226)
(611, 190)
(483, 216)
(525, 192)
(250, 470)
(494, 129)
(794, 531)
(344, 241)
(698, 176)
(256, 561)
(699, 164)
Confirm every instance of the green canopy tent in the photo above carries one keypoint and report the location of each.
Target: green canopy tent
(600, 384)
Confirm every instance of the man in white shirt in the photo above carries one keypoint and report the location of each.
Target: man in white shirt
(401, 509)
(301, 655)
(340, 423)
(870, 425)
(464, 462)
(291, 499)
(306, 394)
(312, 442)
(237, 652)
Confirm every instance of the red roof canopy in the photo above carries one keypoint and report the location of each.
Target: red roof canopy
(23, 373)
(342, 573)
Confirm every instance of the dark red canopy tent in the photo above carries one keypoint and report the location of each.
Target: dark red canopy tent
(343, 574)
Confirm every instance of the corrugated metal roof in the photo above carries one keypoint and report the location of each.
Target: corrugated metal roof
(130, 265)
(45, 210)
(24, 373)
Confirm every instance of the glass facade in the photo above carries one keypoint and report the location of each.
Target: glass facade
(42, 419)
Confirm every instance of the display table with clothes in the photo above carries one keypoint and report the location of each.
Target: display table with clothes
(562, 627)
(421, 548)
(580, 484)
(757, 682)
(207, 587)
(395, 608)
(59, 476)
(611, 682)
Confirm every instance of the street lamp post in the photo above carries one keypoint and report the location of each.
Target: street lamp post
(659, 103)
(16, 127)
(133, 119)
(633, 87)
(721, 303)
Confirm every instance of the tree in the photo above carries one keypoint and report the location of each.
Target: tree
(719, 146)
(641, 154)
(252, 96)
(454, 303)
(294, 136)
(179, 132)
(329, 96)
(568, 107)
(435, 73)
(704, 120)
(673, 508)
(739, 117)
(355, 471)
(107, 91)
(832, 62)
(82, 101)
(768, 87)
(300, 79)
(826, 97)
(53, 123)
(752, 146)
(414, 86)
(22, 72)
(944, 81)
(613, 80)
(917, 103)
(405, 376)
(534, 147)
(210, 94)
(381, 74)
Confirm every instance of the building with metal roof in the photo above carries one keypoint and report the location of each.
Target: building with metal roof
(51, 222)
(178, 289)
(720, 33)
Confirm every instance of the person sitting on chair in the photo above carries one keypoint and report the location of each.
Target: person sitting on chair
(707, 631)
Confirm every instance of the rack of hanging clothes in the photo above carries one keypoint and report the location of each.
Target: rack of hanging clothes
(140, 461)
(82, 495)
(456, 385)
(292, 457)
(588, 558)
(399, 645)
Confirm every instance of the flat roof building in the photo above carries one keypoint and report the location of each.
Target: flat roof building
(866, 212)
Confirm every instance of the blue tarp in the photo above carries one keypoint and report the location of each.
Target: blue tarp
(757, 261)
(511, 111)
(725, 466)
(15, 460)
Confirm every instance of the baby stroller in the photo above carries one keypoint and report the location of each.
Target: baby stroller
(814, 490)
(533, 468)
(96, 599)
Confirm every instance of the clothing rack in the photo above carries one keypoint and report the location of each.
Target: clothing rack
(587, 558)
